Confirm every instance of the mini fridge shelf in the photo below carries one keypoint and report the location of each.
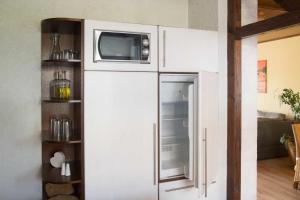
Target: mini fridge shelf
(174, 102)
(174, 117)
(171, 140)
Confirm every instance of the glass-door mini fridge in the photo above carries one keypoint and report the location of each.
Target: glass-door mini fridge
(178, 101)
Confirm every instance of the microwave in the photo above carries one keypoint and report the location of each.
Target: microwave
(114, 46)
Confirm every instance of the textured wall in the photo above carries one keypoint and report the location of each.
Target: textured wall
(20, 80)
(283, 72)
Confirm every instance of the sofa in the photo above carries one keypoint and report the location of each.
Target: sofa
(270, 128)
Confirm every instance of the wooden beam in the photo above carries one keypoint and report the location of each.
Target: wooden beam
(234, 102)
(274, 23)
(289, 5)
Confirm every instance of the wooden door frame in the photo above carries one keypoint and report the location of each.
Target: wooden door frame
(236, 32)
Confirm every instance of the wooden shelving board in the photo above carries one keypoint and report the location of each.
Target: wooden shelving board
(62, 61)
(71, 141)
(52, 175)
(61, 101)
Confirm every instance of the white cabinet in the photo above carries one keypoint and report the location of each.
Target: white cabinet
(187, 50)
(209, 126)
(121, 135)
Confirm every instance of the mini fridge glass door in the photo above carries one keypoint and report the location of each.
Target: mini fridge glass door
(178, 126)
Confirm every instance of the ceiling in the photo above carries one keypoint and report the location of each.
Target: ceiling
(268, 3)
(268, 9)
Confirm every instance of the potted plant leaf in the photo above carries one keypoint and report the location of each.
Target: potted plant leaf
(289, 144)
(292, 99)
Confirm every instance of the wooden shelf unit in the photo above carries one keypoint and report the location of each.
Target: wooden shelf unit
(71, 37)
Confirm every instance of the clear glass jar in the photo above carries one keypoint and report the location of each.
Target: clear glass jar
(60, 86)
(55, 53)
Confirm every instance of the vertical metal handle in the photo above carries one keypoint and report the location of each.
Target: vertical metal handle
(205, 161)
(164, 48)
(154, 154)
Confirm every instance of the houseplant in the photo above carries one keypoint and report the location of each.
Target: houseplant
(291, 98)
(289, 144)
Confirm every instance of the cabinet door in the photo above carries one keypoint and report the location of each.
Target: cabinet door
(120, 135)
(209, 127)
(187, 50)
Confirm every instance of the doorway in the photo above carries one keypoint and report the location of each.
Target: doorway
(236, 33)
(277, 69)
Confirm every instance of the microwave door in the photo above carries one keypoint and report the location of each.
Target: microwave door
(117, 46)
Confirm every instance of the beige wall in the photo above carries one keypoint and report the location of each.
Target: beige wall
(20, 75)
(283, 72)
(203, 14)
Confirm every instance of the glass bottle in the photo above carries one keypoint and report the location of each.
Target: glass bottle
(53, 86)
(55, 53)
(66, 86)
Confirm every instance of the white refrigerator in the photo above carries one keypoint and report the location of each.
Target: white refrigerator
(178, 134)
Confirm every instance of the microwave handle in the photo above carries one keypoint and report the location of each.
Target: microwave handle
(164, 48)
(97, 55)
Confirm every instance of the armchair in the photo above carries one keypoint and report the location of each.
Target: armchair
(296, 130)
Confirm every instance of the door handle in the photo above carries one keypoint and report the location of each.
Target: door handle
(205, 162)
(164, 48)
(154, 154)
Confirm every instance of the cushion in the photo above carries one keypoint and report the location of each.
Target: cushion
(270, 115)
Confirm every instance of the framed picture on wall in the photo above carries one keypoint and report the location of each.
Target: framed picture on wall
(262, 73)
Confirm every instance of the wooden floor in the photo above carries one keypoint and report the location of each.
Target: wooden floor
(275, 180)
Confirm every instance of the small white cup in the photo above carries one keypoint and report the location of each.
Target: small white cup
(63, 169)
(68, 170)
